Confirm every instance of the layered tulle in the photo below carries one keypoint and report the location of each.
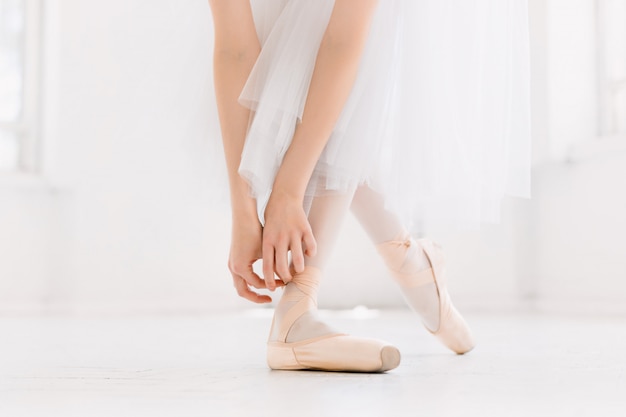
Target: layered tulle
(437, 120)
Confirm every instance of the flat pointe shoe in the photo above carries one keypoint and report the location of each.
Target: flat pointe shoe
(335, 352)
(327, 352)
(453, 331)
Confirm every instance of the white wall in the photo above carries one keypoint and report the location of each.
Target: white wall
(571, 71)
(124, 219)
(612, 33)
(575, 220)
(579, 229)
(127, 221)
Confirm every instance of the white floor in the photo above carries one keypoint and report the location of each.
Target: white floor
(524, 365)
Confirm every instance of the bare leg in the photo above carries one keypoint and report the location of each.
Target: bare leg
(383, 226)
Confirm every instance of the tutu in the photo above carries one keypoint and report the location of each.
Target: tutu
(437, 120)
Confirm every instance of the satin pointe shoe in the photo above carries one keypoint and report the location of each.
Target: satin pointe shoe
(326, 350)
(453, 331)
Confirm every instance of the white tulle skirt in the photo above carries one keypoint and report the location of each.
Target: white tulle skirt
(438, 118)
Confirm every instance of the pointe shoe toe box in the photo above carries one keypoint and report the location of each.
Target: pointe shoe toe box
(334, 353)
(455, 333)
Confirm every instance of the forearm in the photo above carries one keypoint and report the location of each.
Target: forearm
(236, 50)
(230, 75)
(333, 77)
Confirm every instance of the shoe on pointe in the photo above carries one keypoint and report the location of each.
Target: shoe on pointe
(327, 350)
(453, 331)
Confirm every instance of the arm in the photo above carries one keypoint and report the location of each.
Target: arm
(236, 50)
(333, 77)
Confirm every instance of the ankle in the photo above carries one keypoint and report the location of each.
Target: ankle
(403, 255)
(295, 316)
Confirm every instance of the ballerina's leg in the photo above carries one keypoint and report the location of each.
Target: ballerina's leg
(298, 338)
(383, 226)
(419, 268)
(325, 216)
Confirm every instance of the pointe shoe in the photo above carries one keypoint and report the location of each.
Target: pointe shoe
(327, 352)
(453, 331)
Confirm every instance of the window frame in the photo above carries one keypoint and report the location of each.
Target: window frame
(609, 87)
(28, 126)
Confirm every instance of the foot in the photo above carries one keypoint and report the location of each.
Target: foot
(419, 268)
(299, 340)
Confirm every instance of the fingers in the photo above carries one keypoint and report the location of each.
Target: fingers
(243, 269)
(297, 256)
(282, 262)
(243, 278)
(244, 291)
(276, 256)
(268, 266)
(310, 243)
(252, 279)
(288, 230)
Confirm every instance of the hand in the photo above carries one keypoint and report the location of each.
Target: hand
(286, 229)
(245, 250)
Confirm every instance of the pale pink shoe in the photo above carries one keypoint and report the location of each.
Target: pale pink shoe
(328, 352)
(453, 331)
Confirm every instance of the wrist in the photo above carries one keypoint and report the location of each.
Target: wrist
(244, 211)
(296, 169)
(284, 195)
(245, 225)
(244, 217)
(243, 206)
(290, 183)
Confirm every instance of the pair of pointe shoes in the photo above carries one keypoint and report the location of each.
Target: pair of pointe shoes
(333, 351)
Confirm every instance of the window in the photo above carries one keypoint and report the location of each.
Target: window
(611, 26)
(19, 61)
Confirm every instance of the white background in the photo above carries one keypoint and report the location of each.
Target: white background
(124, 219)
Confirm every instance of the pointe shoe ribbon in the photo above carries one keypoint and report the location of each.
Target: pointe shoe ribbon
(308, 284)
(453, 331)
(394, 253)
(329, 352)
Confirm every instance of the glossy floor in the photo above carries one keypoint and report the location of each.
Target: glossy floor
(524, 365)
